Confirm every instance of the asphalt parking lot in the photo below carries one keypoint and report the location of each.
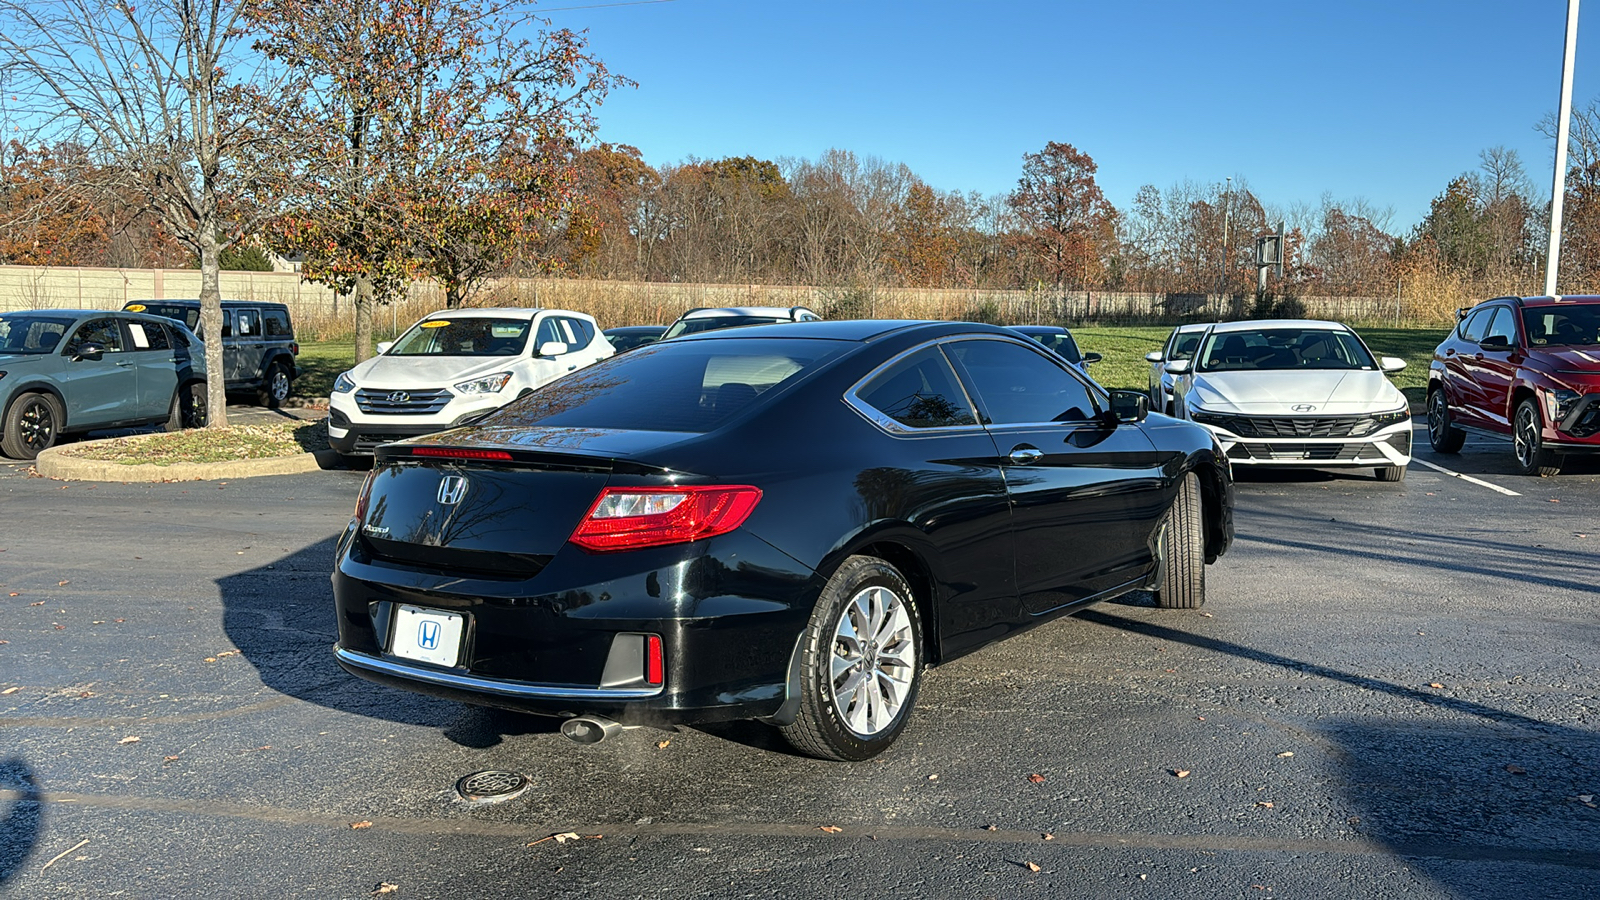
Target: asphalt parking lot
(1390, 693)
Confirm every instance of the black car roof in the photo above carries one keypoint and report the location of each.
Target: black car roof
(196, 303)
(847, 330)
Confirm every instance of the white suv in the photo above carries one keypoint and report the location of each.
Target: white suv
(453, 366)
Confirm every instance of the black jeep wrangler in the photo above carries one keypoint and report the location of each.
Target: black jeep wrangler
(258, 345)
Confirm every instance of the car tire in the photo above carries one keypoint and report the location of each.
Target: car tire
(1390, 473)
(188, 408)
(274, 387)
(1528, 442)
(1442, 435)
(1183, 538)
(32, 425)
(855, 695)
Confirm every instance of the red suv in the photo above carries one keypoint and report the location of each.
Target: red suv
(1527, 368)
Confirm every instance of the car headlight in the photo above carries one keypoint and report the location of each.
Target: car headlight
(343, 384)
(1380, 421)
(1209, 418)
(1559, 403)
(488, 384)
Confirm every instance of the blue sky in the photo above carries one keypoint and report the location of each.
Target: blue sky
(1384, 101)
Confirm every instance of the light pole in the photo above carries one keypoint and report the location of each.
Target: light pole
(1559, 191)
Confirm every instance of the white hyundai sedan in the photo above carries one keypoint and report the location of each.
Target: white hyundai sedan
(453, 366)
(1296, 393)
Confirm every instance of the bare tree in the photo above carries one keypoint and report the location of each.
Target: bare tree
(155, 94)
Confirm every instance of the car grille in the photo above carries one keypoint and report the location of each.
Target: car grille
(1310, 452)
(1294, 426)
(421, 402)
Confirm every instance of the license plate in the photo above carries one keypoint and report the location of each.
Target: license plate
(427, 635)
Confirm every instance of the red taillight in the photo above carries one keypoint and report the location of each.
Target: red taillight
(653, 662)
(631, 518)
(460, 453)
(365, 495)
(294, 348)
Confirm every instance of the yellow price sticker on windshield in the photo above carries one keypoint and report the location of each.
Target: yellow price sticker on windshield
(134, 307)
(436, 323)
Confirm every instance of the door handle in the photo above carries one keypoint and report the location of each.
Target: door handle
(123, 365)
(1025, 455)
(572, 367)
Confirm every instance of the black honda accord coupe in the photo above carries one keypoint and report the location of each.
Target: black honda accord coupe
(786, 523)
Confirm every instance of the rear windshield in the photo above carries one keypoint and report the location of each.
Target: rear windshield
(466, 336)
(31, 333)
(1061, 343)
(693, 386)
(711, 323)
(1562, 326)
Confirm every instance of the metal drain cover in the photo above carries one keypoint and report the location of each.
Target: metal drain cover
(491, 786)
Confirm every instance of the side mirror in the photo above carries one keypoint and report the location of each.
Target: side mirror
(1154, 356)
(551, 348)
(383, 347)
(1089, 358)
(1391, 363)
(91, 352)
(1178, 366)
(1495, 343)
(1129, 406)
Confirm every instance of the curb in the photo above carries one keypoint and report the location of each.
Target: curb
(52, 463)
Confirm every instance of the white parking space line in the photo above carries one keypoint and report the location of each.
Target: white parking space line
(1477, 481)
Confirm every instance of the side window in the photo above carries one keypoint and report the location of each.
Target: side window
(549, 331)
(275, 324)
(97, 331)
(148, 336)
(919, 391)
(178, 338)
(227, 323)
(247, 323)
(582, 332)
(1018, 386)
(1472, 327)
(1503, 326)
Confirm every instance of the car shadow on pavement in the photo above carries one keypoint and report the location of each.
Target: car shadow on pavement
(21, 823)
(281, 618)
(1483, 800)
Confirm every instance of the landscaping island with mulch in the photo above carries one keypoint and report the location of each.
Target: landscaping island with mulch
(235, 451)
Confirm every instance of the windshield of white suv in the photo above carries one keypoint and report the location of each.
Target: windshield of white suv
(1283, 348)
(711, 323)
(31, 333)
(466, 336)
(1562, 326)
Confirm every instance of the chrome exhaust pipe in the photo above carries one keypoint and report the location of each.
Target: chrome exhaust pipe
(589, 729)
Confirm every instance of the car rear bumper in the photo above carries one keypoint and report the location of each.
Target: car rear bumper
(728, 612)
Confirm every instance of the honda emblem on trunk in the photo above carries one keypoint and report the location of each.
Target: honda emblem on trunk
(451, 489)
(1304, 407)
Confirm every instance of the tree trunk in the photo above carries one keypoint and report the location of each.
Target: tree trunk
(452, 293)
(211, 327)
(363, 302)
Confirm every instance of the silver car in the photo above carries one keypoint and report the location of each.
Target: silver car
(1181, 344)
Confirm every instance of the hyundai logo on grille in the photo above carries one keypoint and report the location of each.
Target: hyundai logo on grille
(428, 634)
(1304, 407)
(451, 489)
(399, 397)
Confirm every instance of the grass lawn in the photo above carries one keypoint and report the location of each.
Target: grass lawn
(1123, 347)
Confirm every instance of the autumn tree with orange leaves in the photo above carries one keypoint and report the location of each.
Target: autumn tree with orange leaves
(443, 137)
(1068, 223)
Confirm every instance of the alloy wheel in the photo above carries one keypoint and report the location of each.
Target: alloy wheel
(1526, 436)
(38, 425)
(1438, 417)
(874, 661)
(278, 387)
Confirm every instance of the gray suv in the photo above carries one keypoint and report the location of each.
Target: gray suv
(258, 345)
(65, 371)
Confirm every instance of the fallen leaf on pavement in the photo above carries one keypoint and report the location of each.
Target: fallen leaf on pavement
(357, 826)
(40, 603)
(831, 829)
(1515, 769)
(1048, 836)
(1265, 803)
(10, 690)
(991, 828)
(1036, 778)
(662, 745)
(1032, 867)
(1180, 773)
(130, 739)
(62, 583)
(565, 836)
(387, 887)
(1435, 684)
(169, 759)
(16, 593)
(1286, 754)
